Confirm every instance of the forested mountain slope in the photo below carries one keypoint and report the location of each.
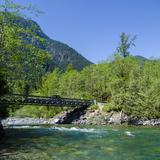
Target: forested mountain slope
(61, 53)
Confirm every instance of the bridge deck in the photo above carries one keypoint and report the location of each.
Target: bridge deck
(44, 101)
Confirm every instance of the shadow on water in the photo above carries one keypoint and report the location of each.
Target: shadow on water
(21, 141)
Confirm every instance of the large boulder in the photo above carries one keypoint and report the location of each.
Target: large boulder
(118, 118)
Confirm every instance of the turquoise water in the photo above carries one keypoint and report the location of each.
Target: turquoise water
(81, 143)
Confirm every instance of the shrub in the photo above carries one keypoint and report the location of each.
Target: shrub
(37, 111)
(106, 108)
(93, 107)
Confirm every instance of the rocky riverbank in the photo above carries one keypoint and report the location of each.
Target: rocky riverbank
(14, 121)
(97, 117)
(90, 117)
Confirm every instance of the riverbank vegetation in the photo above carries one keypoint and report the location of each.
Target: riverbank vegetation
(125, 83)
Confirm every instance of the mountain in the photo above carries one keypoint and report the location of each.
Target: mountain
(141, 59)
(62, 54)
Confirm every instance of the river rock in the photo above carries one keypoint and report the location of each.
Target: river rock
(117, 118)
(92, 117)
(151, 122)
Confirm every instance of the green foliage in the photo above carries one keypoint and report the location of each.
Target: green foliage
(50, 83)
(93, 107)
(37, 112)
(124, 84)
(24, 62)
(107, 108)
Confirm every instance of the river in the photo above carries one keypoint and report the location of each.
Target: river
(80, 143)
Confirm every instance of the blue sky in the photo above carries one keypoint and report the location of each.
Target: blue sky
(92, 27)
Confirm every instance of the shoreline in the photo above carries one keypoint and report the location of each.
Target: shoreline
(14, 121)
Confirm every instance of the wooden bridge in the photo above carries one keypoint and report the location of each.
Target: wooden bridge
(56, 100)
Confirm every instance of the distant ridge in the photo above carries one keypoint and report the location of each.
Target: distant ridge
(141, 59)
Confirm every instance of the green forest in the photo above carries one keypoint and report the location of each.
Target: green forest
(125, 83)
